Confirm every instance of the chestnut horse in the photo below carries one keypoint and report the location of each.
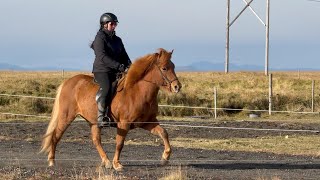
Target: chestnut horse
(134, 105)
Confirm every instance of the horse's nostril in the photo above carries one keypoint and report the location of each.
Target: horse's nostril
(176, 87)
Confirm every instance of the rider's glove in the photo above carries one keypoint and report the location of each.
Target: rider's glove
(121, 68)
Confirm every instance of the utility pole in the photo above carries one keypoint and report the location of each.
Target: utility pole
(264, 24)
(226, 67)
(266, 71)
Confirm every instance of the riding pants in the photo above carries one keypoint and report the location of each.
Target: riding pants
(104, 80)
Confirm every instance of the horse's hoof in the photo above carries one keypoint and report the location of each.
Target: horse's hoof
(118, 167)
(164, 162)
(51, 163)
(108, 165)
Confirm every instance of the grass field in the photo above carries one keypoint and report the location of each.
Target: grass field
(292, 91)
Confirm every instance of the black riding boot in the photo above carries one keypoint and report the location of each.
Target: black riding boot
(103, 119)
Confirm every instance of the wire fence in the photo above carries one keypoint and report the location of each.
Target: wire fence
(213, 109)
(182, 124)
(172, 123)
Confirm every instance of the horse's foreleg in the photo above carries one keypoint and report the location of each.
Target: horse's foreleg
(96, 139)
(122, 132)
(156, 129)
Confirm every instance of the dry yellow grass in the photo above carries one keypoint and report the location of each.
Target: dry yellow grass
(249, 90)
(175, 173)
(240, 90)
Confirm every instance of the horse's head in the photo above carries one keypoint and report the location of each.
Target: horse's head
(165, 69)
(157, 69)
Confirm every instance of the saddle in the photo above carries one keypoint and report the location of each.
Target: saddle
(117, 85)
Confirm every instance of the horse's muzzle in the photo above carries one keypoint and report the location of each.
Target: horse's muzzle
(175, 86)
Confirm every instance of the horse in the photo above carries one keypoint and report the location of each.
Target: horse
(134, 105)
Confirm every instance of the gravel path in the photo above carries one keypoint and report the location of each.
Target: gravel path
(77, 158)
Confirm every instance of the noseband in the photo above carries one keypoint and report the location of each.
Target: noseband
(165, 78)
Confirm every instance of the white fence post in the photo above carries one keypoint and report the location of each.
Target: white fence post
(270, 93)
(312, 96)
(215, 102)
(62, 73)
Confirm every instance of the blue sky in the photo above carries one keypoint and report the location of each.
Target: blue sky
(37, 33)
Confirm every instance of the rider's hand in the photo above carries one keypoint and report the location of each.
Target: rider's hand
(121, 68)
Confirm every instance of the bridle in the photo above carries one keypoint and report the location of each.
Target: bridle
(166, 79)
(166, 82)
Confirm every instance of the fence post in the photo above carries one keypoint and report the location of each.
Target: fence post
(312, 96)
(270, 93)
(215, 102)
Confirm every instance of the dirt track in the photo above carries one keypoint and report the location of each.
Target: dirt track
(76, 155)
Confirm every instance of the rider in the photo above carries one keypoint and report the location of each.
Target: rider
(110, 59)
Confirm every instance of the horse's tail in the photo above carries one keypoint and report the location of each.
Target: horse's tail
(47, 138)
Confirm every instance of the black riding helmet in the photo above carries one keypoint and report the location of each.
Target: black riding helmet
(108, 17)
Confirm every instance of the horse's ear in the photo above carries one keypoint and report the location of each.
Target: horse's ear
(160, 51)
(171, 51)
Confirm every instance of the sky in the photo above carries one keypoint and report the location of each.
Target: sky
(37, 33)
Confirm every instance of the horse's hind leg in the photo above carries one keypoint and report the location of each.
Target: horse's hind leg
(156, 129)
(96, 139)
(62, 125)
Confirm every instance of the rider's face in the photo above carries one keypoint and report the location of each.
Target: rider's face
(111, 26)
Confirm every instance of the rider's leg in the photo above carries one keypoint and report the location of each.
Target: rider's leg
(104, 82)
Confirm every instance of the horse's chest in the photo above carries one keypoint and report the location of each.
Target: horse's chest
(148, 109)
(151, 105)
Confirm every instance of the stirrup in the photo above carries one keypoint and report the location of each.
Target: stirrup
(111, 122)
(104, 122)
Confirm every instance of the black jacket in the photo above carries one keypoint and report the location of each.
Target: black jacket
(109, 52)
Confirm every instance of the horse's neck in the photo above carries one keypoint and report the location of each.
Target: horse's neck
(149, 85)
(148, 90)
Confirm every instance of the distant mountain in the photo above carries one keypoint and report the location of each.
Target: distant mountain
(208, 66)
(51, 68)
(6, 66)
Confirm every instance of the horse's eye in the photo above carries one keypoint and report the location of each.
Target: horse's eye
(164, 69)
